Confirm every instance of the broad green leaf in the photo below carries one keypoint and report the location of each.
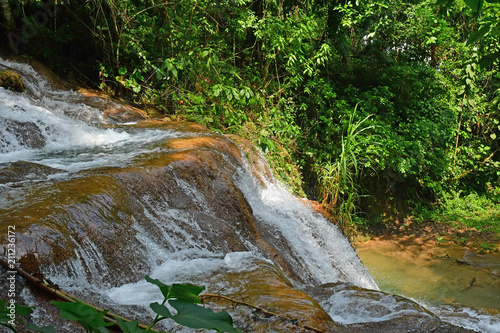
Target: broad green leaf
(165, 289)
(84, 314)
(162, 310)
(489, 59)
(20, 310)
(195, 316)
(476, 5)
(236, 95)
(475, 36)
(129, 327)
(217, 89)
(44, 329)
(493, 136)
(4, 313)
(122, 71)
(495, 31)
(23, 311)
(186, 292)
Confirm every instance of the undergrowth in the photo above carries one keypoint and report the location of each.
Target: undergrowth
(480, 211)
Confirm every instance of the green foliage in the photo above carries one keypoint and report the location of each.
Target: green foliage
(129, 326)
(91, 319)
(288, 74)
(10, 313)
(8, 317)
(195, 316)
(186, 292)
(487, 247)
(478, 211)
(486, 34)
(182, 297)
(44, 329)
(340, 180)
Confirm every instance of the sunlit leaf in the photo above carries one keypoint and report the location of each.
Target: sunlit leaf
(195, 316)
(187, 292)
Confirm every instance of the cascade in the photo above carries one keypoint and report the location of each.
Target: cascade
(99, 201)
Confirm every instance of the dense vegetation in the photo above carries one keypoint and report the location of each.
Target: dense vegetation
(369, 106)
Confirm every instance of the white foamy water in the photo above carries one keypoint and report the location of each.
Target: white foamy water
(351, 306)
(183, 267)
(348, 306)
(474, 319)
(64, 102)
(46, 127)
(323, 251)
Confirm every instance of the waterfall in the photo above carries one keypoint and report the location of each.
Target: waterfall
(98, 203)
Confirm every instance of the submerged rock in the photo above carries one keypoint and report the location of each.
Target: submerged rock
(11, 80)
(14, 172)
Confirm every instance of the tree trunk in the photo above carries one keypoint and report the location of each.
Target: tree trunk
(7, 21)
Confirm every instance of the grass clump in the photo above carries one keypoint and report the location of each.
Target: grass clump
(479, 211)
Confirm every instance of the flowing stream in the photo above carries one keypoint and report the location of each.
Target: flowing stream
(449, 279)
(97, 203)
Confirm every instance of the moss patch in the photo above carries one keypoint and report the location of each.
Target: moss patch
(12, 81)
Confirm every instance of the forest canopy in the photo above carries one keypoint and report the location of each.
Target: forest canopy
(366, 106)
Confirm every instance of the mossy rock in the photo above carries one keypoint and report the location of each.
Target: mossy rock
(12, 81)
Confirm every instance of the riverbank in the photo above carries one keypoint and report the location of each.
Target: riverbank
(434, 233)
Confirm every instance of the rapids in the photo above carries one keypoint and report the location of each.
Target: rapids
(98, 201)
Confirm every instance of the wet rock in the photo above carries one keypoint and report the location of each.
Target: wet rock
(113, 109)
(277, 305)
(38, 299)
(57, 221)
(171, 193)
(14, 172)
(11, 80)
(26, 134)
(260, 168)
(383, 312)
